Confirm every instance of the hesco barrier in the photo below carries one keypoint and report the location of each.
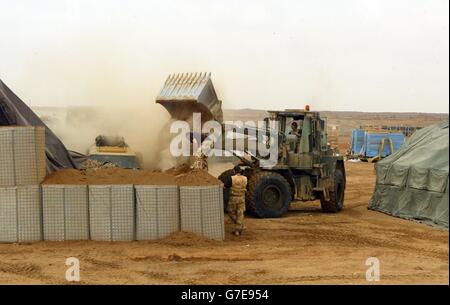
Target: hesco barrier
(157, 211)
(20, 214)
(111, 211)
(202, 211)
(65, 212)
(22, 155)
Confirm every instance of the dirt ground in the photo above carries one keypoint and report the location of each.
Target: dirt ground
(303, 247)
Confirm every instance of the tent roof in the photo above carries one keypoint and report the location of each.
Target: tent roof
(413, 183)
(427, 148)
(13, 111)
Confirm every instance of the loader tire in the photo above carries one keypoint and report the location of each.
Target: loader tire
(268, 194)
(336, 202)
(224, 177)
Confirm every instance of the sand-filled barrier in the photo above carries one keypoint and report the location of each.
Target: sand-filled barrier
(137, 204)
(157, 211)
(111, 212)
(22, 155)
(202, 211)
(65, 212)
(20, 214)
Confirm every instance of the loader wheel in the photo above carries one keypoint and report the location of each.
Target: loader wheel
(268, 195)
(336, 202)
(224, 177)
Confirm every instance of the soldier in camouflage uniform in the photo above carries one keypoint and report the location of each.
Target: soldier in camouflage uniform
(200, 158)
(236, 205)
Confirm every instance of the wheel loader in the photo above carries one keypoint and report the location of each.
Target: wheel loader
(306, 167)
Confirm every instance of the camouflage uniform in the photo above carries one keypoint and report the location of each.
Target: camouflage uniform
(200, 162)
(200, 158)
(236, 204)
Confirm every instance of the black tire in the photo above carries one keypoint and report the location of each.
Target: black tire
(336, 202)
(268, 195)
(224, 177)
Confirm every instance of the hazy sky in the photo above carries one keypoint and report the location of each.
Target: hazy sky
(364, 55)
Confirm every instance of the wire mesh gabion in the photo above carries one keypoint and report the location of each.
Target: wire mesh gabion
(20, 214)
(202, 211)
(22, 155)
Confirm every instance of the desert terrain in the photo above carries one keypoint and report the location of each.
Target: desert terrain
(303, 247)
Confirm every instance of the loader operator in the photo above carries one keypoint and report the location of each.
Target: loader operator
(236, 205)
(294, 129)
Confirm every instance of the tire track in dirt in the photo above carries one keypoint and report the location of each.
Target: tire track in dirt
(338, 237)
(348, 277)
(100, 263)
(28, 270)
(342, 237)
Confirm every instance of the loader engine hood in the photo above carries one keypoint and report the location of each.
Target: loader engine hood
(186, 93)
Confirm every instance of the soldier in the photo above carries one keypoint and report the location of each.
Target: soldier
(200, 162)
(295, 130)
(200, 159)
(236, 205)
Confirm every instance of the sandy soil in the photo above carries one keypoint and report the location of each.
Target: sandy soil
(304, 247)
(116, 175)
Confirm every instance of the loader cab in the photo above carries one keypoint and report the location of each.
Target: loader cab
(291, 125)
(304, 135)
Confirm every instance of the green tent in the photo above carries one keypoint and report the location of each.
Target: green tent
(413, 183)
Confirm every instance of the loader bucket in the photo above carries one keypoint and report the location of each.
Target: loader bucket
(186, 93)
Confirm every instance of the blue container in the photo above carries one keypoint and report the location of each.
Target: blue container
(358, 137)
(367, 144)
(373, 142)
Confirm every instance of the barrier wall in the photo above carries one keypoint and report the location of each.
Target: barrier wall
(65, 212)
(157, 211)
(111, 212)
(202, 211)
(22, 155)
(20, 214)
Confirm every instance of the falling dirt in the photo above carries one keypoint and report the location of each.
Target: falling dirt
(305, 246)
(196, 177)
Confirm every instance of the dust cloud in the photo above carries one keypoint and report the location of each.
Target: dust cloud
(117, 94)
(140, 125)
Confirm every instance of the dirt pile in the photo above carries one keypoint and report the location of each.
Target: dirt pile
(110, 176)
(66, 176)
(196, 177)
(178, 170)
(127, 176)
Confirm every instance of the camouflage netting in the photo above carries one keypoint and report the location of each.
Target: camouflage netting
(413, 183)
